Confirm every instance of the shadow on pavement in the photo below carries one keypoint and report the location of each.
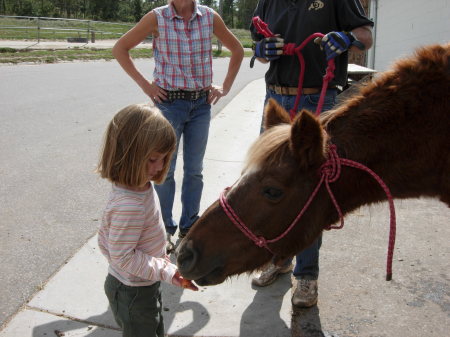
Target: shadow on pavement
(64, 327)
(262, 317)
(306, 323)
(200, 315)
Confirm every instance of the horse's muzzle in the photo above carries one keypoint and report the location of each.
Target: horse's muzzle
(189, 266)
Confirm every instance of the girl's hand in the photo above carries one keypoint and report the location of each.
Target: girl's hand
(183, 283)
(215, 93)
(156, 94)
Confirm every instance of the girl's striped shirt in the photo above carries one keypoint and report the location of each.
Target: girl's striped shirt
(133, 238)
(183, 50)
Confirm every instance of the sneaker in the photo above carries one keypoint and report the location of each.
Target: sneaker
(305, 293)
(170, 246)
(270, 274)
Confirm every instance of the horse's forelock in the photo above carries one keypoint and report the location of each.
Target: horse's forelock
(269, 148)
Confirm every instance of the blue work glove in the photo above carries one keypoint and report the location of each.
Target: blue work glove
(335, 43)
(269, 48)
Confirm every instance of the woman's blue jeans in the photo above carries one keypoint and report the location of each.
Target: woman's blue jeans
(307, 261)
(190, 119)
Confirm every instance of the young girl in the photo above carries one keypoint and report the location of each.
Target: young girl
(137, 149)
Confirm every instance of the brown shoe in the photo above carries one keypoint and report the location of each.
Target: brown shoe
(270, 274)
(305, 293)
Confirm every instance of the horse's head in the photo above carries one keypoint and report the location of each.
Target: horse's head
(280, 174)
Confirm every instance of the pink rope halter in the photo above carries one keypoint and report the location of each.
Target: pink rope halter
(329, 173)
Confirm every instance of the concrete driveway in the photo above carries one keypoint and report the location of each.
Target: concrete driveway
(52, 119)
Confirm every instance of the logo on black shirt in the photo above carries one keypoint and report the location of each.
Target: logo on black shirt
(316, 5)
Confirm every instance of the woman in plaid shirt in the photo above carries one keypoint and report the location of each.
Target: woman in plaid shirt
(182, 89)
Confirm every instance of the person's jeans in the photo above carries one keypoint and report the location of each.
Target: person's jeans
(308, 102)
(307, 261)
(190, 119)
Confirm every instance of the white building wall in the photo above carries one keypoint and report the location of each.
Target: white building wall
(403, 25)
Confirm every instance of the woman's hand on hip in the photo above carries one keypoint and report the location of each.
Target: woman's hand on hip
(156, 94)
(215, 93)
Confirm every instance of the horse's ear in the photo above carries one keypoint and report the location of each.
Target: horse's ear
(274, 114)
(307, 140)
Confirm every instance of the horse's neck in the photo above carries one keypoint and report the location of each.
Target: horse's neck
(357, 139)
(397, 126)
(403, 141)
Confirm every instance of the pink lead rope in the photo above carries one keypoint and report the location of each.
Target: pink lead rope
(330, 170)
(329, 173)
(291, 49)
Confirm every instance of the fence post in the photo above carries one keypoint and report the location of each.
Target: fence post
(219, 47)
(88, 30)
(92, 33)
(38, 29)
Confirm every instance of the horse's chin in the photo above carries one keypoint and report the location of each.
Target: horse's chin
(211, 279)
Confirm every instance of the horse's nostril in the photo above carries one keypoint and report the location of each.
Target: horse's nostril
(187, 257)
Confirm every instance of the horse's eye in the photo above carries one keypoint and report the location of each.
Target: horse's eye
(272, 193)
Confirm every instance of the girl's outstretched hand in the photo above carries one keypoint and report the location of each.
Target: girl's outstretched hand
(183, 283)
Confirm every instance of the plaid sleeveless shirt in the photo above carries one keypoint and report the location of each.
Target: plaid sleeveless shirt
(183, 51)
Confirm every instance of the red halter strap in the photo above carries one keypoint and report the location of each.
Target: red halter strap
(261, 27)
(291, 49)
(329, 173)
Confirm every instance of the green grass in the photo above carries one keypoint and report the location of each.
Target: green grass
(16, 56)
(244, 36)
(59, 29)
(62, 29)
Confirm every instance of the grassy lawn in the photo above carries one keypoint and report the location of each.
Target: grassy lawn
(12, 28)
(16, 56)
(58, 29)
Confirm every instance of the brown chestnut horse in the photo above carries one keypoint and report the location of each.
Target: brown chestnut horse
(398, 125)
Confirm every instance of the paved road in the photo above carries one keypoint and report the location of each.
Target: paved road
(52, 118)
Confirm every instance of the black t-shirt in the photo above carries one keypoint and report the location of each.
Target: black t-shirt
(295, 20)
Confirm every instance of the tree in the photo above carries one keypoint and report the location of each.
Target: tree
(226, 10)
(236, 13)
(245, 9)
(209, 3)
(137, 10)
(23, 7)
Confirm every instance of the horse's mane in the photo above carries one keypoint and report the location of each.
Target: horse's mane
(269, 148)
(429, 65)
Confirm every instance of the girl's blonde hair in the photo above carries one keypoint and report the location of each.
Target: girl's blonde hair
(132, 136)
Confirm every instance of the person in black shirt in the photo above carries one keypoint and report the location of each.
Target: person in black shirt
(345, 26)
